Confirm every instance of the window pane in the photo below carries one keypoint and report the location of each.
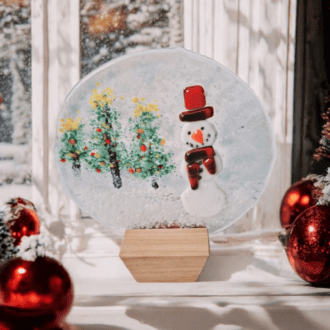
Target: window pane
(113, 28)
(15, 98)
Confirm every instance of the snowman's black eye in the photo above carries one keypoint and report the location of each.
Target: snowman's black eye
(202, 128)
(189, 133)
(187, 143)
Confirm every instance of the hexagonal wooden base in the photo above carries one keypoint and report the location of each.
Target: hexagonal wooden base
(165, 255)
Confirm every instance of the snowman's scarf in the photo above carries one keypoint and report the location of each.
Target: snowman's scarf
(195, 158)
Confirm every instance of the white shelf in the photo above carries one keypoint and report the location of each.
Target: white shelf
(248, 286)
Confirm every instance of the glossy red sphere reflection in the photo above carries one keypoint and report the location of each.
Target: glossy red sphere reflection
(308, 247)
(26, 224)
(38, 293)
(296, 200)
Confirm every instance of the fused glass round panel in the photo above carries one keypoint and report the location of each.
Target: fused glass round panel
(164, 136)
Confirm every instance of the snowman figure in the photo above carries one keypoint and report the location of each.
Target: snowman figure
(201, 164)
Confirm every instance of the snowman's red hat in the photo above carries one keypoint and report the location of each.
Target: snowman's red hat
(194, 99)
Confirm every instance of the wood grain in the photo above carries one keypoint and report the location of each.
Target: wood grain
(165, 255)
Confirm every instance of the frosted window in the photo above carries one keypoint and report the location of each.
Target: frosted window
(113, 28)
(15, 98)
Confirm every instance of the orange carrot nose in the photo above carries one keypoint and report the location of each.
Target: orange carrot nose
(198, 136)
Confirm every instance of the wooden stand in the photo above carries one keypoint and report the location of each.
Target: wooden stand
(165, 255)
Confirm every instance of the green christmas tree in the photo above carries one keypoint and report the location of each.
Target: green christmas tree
(73, 148)
(106, 131)
(147, 157)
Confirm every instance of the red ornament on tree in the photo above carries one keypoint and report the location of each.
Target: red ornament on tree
(298, 198)
(107, 141)
(308, 247)
(37, 294)
(143, 148)
(26, 223)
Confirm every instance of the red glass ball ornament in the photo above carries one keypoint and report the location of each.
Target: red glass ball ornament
(26, 224)
(38, 294)
(296, 200)
(308, 246)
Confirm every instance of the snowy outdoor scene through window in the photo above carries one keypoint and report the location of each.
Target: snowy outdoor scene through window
(108, 29)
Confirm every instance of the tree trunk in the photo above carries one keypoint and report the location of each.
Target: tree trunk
(154, 184)
(76, 167)
(114, 167)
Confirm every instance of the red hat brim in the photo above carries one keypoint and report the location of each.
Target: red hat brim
(196, 115)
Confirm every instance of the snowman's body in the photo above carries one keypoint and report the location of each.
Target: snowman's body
(203, 197)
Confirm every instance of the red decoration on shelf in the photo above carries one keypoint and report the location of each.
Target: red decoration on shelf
(34, 294)
(308, 246)
(297, 199)
(194, 97)
(17, 203)
(27, 223)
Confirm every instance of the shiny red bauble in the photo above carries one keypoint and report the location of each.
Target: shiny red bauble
(308, 245)
(296, 200)
(37, 294)
(27, 223)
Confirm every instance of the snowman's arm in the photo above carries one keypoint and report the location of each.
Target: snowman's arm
(218, 161)
(210, 165)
